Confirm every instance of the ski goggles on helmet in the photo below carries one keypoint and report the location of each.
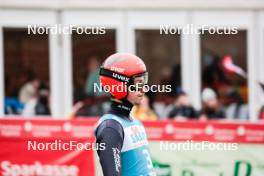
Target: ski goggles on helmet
(140, 81)
(135, 82)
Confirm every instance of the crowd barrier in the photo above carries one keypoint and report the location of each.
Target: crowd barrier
(182, 148)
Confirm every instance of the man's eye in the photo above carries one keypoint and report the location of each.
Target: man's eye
(139, 85)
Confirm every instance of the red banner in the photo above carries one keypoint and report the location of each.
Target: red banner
(213, 131)
(65, 147)
(46, 147)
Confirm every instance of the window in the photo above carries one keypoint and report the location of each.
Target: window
(161, 53)
(26, 66)
(89, 51)
(224, 68)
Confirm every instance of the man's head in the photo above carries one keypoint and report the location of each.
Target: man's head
(124, 76)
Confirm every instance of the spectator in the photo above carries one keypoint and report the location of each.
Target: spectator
(37, 105)
(29, 90)
(42, 107)
(236, 109)
(12, 105)
(29, 107)
(261, 113)
(211, 106)
(93, 76)
(182, 107)
(213, 74)
(143, 111)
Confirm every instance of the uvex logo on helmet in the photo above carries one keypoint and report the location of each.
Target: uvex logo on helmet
(118, 69)
(120, 77)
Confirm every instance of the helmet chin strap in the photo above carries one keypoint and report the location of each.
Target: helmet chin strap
(124, 101)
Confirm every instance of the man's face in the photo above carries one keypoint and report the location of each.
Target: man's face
(136, 96)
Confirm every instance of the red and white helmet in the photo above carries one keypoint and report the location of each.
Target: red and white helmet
(119, 70)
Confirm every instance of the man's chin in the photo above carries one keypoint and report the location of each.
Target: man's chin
(140, 101)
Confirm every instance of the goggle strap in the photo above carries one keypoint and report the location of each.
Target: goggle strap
(114, 75)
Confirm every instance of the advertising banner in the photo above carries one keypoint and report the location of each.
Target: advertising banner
(47, 147)
(190, 148)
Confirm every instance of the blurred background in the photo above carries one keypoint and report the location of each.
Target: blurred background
(47, 74)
